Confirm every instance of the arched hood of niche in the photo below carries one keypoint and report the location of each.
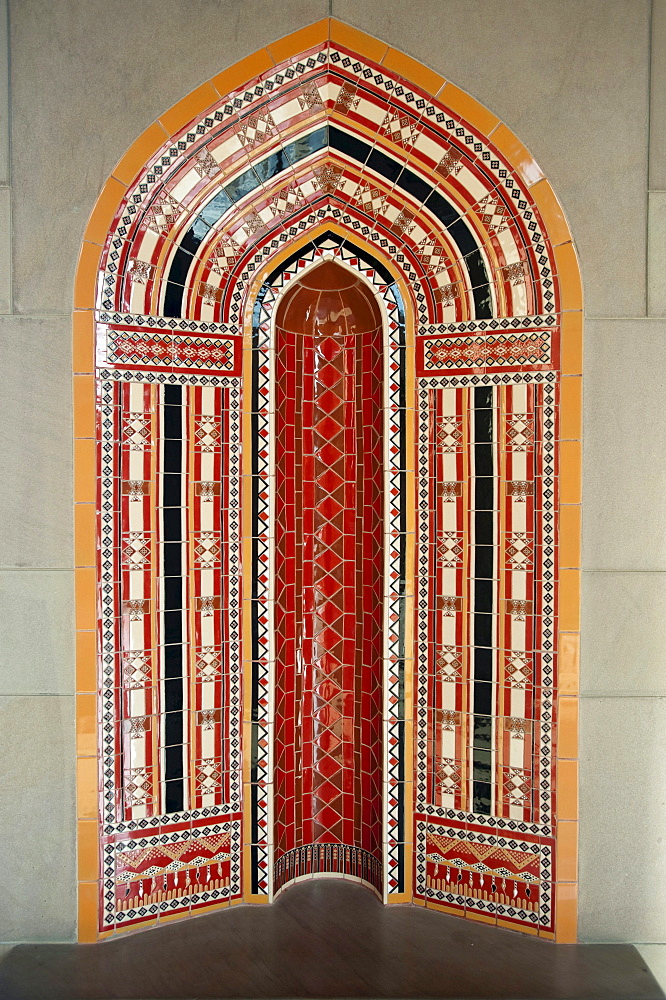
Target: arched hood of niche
(329, 144)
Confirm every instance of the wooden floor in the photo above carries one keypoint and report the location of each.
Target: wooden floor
(325, 938)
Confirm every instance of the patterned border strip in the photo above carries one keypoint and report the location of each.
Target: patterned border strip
(112, 850)
(395, 612)
(447, 353)
(545, 854)
(132, 347)
(546, 764)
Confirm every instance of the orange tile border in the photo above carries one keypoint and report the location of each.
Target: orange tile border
(88, 912)
(571, 472)
(413, 71)
(461, 103)
(567, 789)
(568, 271)
(299, 41)
(86, 599)
(567, 727)
(571, 343)
(569, 600)
(518, 928)
(87, 780)
(88, 850)
(518, 155)
(566, 867)
(551, 211)
(140, 152)
(569, 663)
(571, 408)
(480, 918)
(240, 72)
(105, 208)
(356, 40)
(86, 661)
(85, 515)
(566, 912)
(182, 113)
(84, 406)
(86, 725)
(86, 276)
(570, 536)
(83, 343)
(85, 480)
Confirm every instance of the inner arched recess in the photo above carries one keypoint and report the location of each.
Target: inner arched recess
(329, 578)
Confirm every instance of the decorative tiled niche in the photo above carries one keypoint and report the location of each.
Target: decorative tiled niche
(328, 147)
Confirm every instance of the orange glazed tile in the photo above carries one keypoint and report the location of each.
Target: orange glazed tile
(566, 912)
(567, 789)
(299, 41)
(85, 482)
(84, 534)
(518, 155)
(570, 600)
(413, 71)
(569, 663)
(192, 106)
(567, 728)
(521, 928)
(86, 661)
(88, 912)
(105, 208)
(571, 343)
(86, 725)
(85, 283)
(468, 109)
(571, 408)
(86, 787)
(85, 591)
(557, 228)
(357, 41)
(480, 918)
(567, 852)
(570, 518)
(246, 69)
(570, 472)
(142, 151)
(568, 273)
(84, 406)
(87, 850)
(83, 342)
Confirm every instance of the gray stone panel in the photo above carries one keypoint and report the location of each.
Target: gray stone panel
(622, 819)
(37, 648)
(656, 275)
(36, 442)
(624, 511)
(622, 634)
(37, 819)
(571, 80)
(106, 72)
(658, 97)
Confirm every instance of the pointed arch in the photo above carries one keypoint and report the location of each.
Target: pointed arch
(328, 142)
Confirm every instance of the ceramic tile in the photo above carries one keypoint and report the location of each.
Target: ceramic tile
(329, 159)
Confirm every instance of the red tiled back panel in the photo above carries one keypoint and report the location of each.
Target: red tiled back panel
(329, 572)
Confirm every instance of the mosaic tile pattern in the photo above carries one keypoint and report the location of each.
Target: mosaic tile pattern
(328, 156)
